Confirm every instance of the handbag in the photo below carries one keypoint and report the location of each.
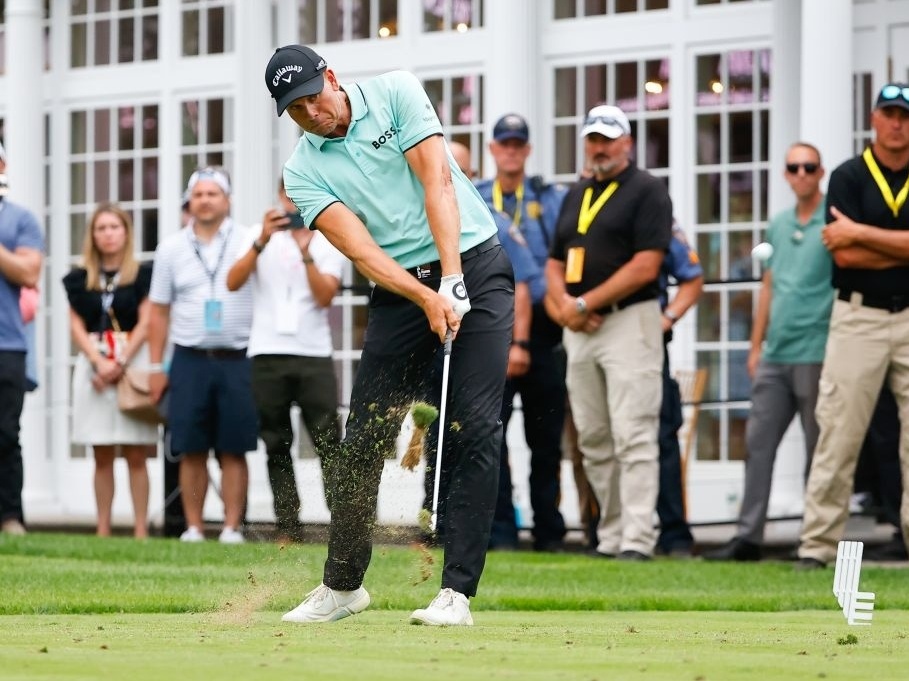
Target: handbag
(134, 397)
(133, 393)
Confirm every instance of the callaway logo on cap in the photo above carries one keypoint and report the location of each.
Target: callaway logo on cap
(294, 71)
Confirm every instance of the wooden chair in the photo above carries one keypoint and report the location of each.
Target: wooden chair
(692, 383)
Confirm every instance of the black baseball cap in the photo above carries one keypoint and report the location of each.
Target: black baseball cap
(294, 71)
(893, 94)
(511, 127)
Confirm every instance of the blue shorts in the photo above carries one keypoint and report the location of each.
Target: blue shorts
(211, 402)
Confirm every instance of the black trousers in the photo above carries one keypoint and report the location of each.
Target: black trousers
(12, 396)
(675, 533)
(395, 370)
(542, 391)
(279, 382)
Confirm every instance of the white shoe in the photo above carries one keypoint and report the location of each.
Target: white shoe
(192, 535)
(449, 609)
(327, 605)
(231, 536)
(13, 526)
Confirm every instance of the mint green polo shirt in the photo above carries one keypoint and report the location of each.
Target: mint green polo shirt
(802, 292)
(367, 171)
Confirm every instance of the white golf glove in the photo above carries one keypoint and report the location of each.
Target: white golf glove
(453, 290)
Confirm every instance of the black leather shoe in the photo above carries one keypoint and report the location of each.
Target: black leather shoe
(806, 564)
(738, 550)
(632, 556)
(895, 549)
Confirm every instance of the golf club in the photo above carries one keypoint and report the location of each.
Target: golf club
(446, 361)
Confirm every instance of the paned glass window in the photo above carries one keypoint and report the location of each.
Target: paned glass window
(208, 27)
(459, 105)
(113, 156)
(640, 88)
(104, 32)
(328, 21)
(571, 9)
(731, 129)
(452, 15)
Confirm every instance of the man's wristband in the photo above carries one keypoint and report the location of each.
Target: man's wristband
(155, 368)
(307, 260)
(258, 246)
(670, 315)
(523, 344)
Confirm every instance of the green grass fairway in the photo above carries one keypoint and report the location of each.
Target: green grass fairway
(78, 607)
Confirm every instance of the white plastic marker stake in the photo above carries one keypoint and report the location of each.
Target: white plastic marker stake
(858, 606)
(762, 252)
(446, 362)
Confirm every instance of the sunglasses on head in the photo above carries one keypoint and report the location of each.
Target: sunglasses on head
(895, 92)
(605, 120)
(809, 168)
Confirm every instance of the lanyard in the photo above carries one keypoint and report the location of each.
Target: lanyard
(893, 203)
(499, 203)
(110, 285)
(588, 212)
(211, 273)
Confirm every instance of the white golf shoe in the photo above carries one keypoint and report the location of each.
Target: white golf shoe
(327, 605)
(230, 535)
(192, 535)
(449, 609)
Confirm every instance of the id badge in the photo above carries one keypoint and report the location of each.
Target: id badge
(288, 316)
(574, 265)
(214, 316)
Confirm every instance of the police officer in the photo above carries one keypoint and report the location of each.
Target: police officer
(527, 210)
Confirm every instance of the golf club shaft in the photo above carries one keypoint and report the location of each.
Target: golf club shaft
(446, 362)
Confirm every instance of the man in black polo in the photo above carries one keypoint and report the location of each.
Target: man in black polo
(602, 286)
(868, 343)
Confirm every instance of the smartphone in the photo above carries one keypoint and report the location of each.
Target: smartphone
(296, 221)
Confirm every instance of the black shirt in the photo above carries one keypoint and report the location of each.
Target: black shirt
(854, 192)
(637, 217)
(87, 304)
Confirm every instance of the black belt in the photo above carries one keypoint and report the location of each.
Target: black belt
(434, 268)
(890, 303)
(621, 305)
(215, 353)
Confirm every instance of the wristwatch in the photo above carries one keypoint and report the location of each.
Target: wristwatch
(670, 315)
(258, 246)
(523, 344)
(581, 305)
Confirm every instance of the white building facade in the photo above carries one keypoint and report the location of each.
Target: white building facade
(120, 99)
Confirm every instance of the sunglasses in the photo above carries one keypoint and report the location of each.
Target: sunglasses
(605, 120)
(895, 92)
(809, 168)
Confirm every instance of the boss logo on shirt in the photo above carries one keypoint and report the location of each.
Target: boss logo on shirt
(386, 136)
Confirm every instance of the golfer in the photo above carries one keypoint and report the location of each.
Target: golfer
(373, 173)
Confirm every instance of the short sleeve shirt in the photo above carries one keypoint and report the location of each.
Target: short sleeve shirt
(637, 217)
(18, 229)
(126, 300)
(681, 264)
(366, 171)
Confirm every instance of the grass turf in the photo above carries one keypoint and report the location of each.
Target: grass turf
(78, 607)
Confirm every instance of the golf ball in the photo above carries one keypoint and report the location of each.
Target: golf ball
(762, 251)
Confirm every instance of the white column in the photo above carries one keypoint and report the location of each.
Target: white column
(25, 168)
(785, 88)
(513, 73)
(253, 175)
(826, 78)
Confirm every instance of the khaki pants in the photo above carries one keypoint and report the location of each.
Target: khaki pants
(865, 347)
(615, 389)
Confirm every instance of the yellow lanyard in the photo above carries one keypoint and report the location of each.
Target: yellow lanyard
(499, 204)
(894, 203)
(588, 212)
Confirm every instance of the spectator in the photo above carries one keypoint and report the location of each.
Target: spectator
(108, 320)
(21, 257)
(787, 344)
(530, 209)
(295, 274)
(682, 265)
(602, 280)
(868, 343)
(210, 403)
(378, 181)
